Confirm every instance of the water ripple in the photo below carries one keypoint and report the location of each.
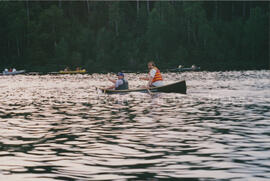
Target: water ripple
(62, 128)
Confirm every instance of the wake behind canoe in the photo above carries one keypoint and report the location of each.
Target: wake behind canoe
(177, 87)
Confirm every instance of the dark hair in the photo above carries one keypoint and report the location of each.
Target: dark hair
(152, 63)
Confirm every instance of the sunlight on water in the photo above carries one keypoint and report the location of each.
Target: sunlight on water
(61, 127)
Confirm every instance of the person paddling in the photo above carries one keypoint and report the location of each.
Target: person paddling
(120, 84)
(154, 77)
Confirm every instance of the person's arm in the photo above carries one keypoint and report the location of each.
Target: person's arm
(112, 80)
(116, 84)
(112, 87)
(151, 77)
(150, 81)
(144, 78)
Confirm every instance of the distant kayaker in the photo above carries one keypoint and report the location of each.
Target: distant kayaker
(120, 84)
(154, 77)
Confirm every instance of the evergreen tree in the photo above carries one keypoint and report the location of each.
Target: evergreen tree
(115, 36)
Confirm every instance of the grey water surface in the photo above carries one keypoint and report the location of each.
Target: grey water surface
(60, 127)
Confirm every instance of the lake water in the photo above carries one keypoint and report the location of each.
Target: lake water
(59, 127)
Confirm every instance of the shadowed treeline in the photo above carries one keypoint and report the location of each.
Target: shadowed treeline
(113, 36)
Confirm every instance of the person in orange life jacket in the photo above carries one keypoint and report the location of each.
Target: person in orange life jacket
(154, 77)
(120, 84)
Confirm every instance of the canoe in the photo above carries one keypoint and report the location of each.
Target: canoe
(177, 87)
(72, 71)
(184, 69)
(13, 73)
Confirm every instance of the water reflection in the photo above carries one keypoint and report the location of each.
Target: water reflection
(61, 127)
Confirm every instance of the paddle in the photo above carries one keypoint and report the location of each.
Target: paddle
(148, 90)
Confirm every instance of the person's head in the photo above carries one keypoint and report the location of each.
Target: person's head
(151, 65)
(120, 75)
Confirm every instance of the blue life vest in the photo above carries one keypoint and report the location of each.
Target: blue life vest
(123, 86)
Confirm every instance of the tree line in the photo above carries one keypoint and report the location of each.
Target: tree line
(106, 36)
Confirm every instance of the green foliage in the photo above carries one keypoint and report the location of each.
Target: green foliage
(61, 51)
(256, 38)
(114, 36)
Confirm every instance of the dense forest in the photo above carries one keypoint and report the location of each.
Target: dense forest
(124, 35)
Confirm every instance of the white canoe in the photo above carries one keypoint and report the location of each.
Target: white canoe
(13, 73)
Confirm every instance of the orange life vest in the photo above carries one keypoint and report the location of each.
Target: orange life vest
(158, 76)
